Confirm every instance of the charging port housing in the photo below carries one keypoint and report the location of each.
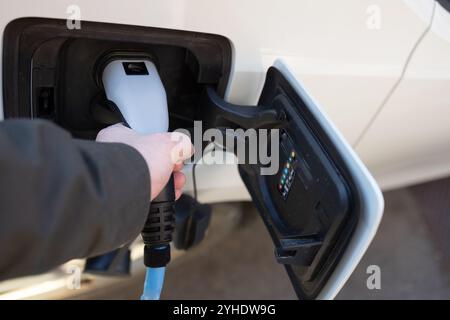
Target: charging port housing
(60, 64)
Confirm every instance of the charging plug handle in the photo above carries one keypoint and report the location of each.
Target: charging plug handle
(158, 229)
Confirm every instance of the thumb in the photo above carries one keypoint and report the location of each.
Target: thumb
(182, 148)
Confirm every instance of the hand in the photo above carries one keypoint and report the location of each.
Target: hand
(164, 153)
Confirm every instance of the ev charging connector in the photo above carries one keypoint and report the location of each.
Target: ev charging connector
(134, 87)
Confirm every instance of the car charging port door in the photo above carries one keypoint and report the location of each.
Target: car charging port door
(320, 205)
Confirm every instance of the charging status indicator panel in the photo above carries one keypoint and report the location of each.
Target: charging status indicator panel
(295, 188)
(287, 174)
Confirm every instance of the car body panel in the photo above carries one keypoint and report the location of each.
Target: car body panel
(409, 140)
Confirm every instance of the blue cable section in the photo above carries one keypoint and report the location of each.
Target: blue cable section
(153, 284)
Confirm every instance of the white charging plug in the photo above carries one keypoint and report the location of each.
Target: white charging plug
(136, 89)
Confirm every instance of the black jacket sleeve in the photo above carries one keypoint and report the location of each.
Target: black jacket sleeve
(62, 198)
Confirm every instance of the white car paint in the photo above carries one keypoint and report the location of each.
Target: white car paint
(409, 141)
